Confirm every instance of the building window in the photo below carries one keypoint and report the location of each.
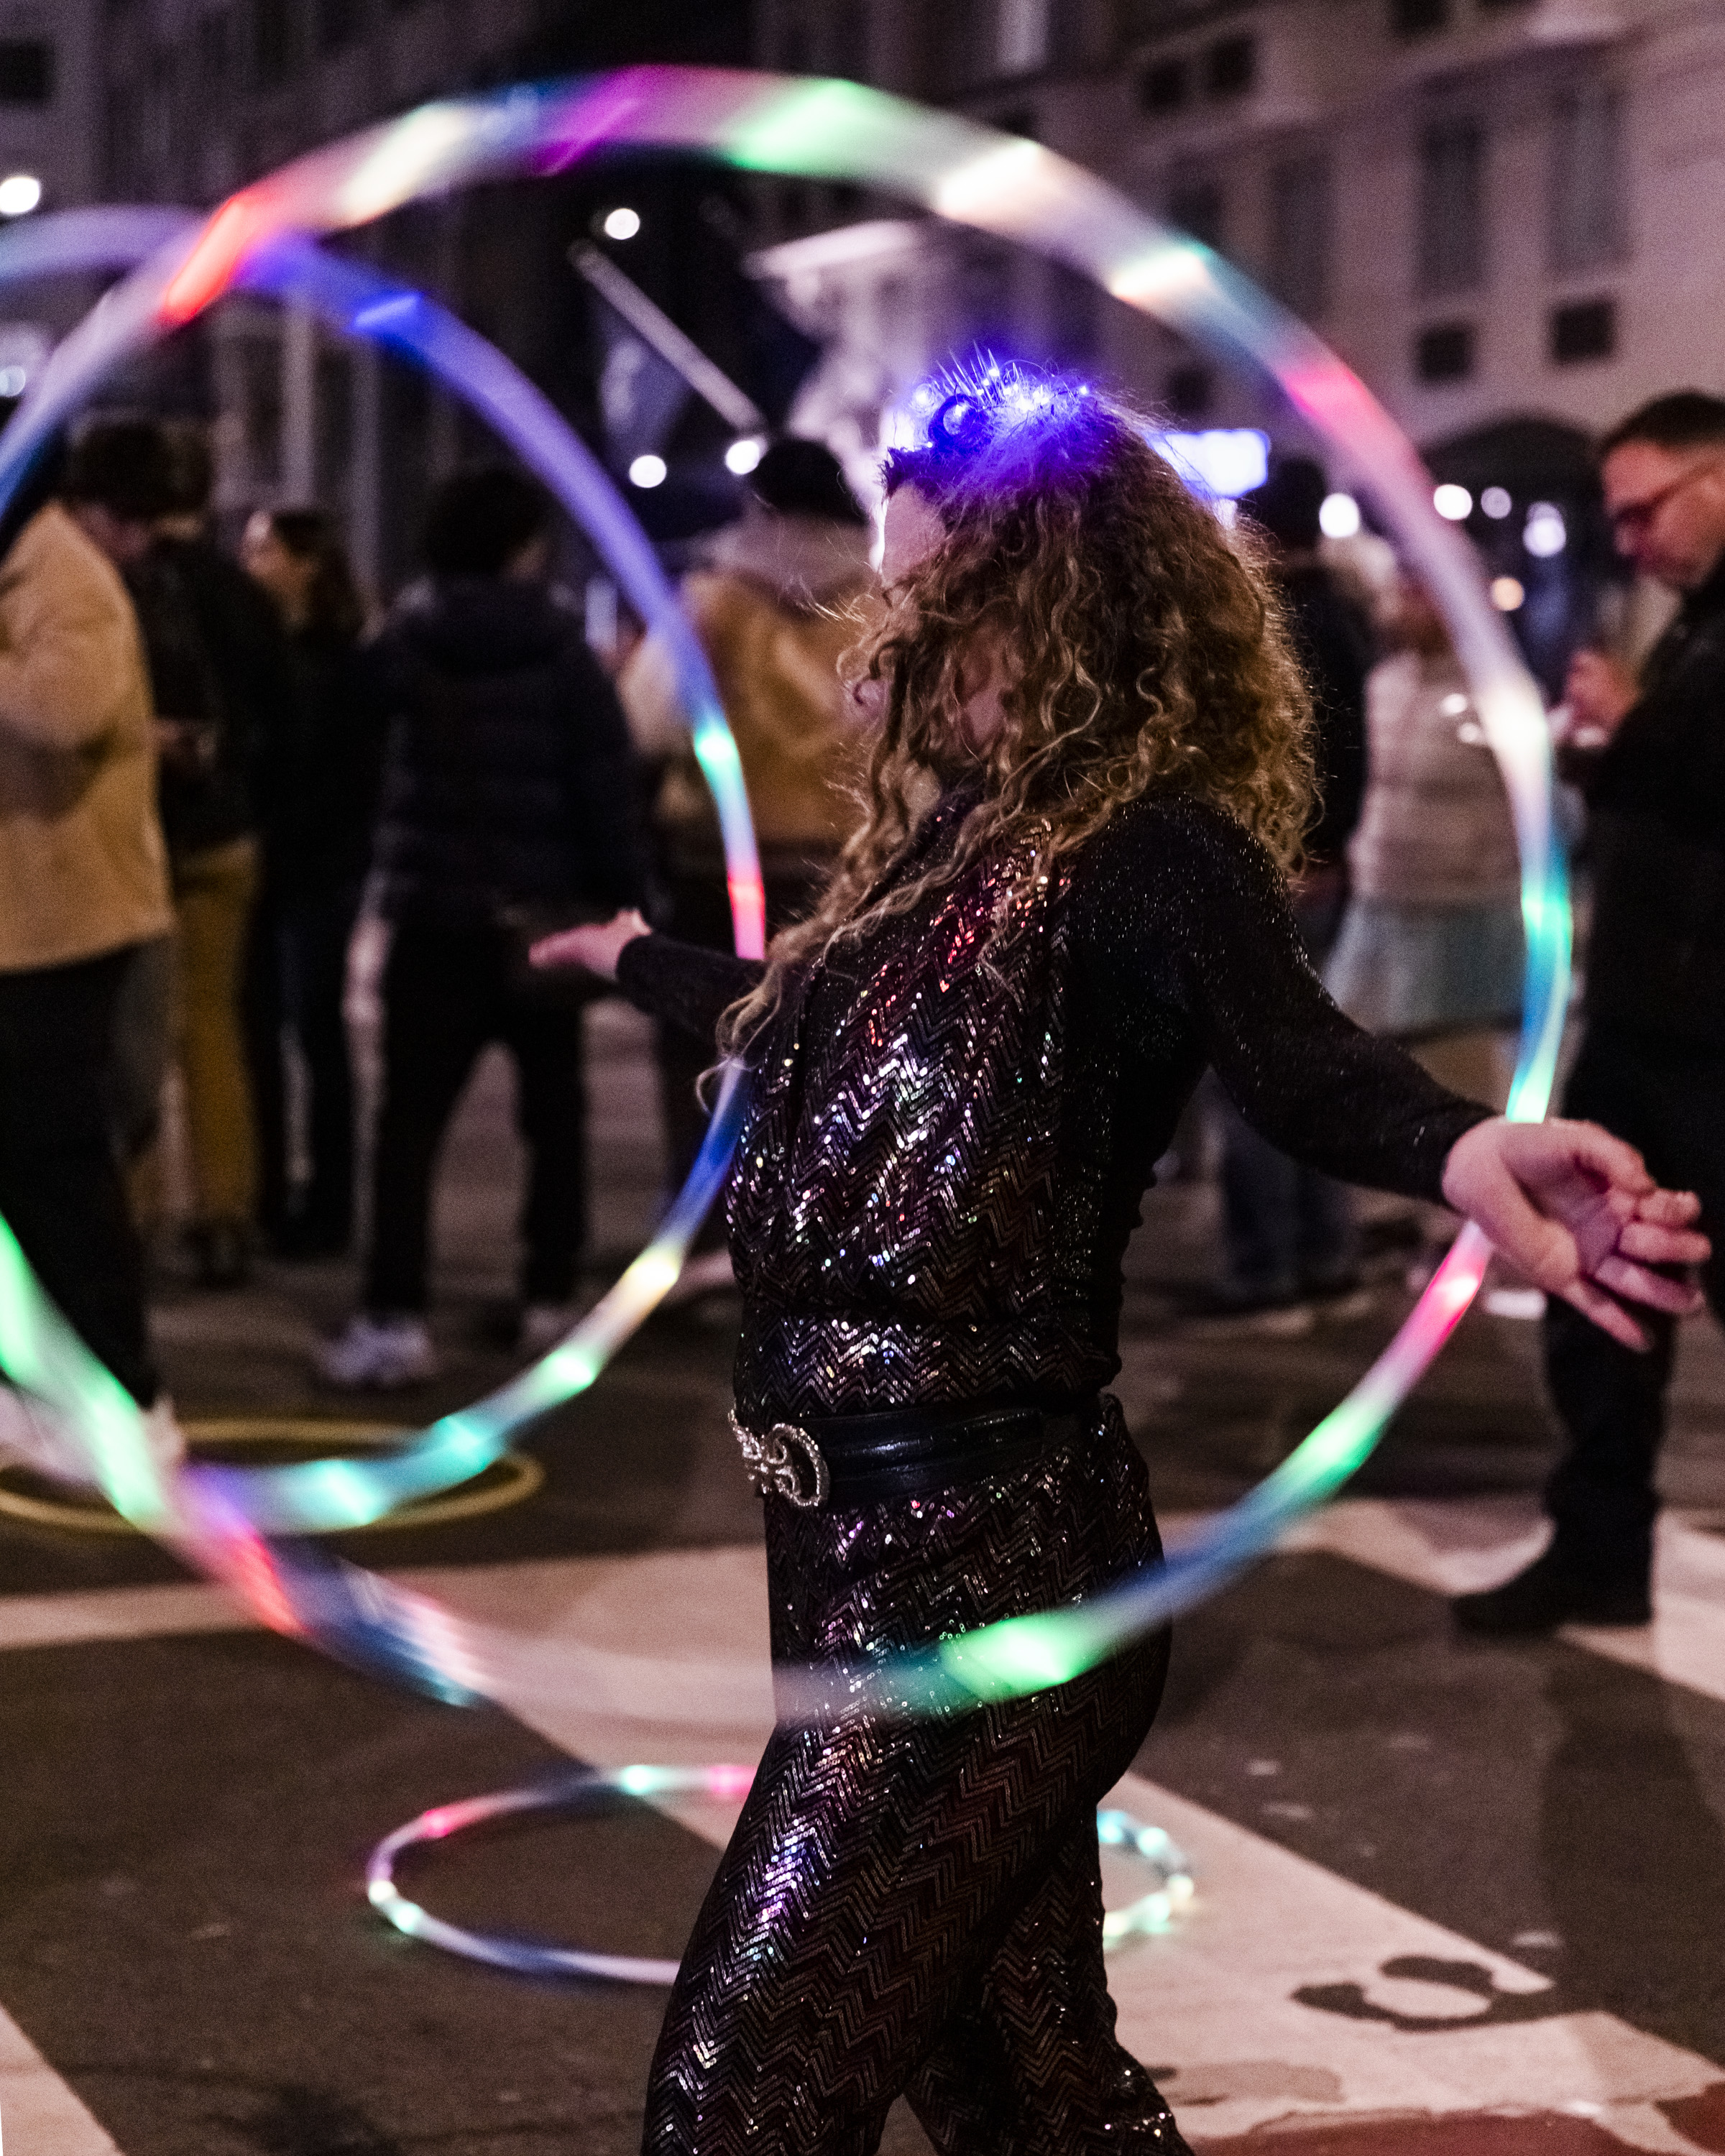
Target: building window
(1452, 223)
(121, 148)
(1230, 67)
(1444, 353)
(1164, 86)
(272, 41)
(1585, 331)
(848, 43)
(1413, 18)
(26, 71)
(214, 50)
(339, 24)
(1198, 205)
(1021, 36)
(1300, 224)
(1585, 215)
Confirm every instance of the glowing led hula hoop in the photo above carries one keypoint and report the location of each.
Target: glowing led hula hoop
(975, 176)
(1153, 1911)
(331, 1494)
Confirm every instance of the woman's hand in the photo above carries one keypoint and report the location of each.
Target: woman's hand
(1575, 1210)
(596, 946)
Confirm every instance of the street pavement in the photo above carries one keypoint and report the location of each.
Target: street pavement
(1451, 1899)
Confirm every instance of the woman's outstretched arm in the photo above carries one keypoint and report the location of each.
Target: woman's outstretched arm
(680, 982)
(1189, 911)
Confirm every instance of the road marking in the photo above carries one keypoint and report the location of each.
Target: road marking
(1269, 1998)
(1452, 1547)
(37, 2110)
(1264, 1997)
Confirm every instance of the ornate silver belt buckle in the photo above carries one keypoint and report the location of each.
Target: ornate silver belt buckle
(784, 1462)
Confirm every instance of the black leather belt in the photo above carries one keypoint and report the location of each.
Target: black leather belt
(904, 1452)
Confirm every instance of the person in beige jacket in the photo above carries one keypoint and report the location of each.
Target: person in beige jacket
(772, 606)
(83, 888)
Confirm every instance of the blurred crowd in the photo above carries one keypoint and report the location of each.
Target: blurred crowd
(213, 765)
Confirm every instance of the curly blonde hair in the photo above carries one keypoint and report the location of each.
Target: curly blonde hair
(1146, 650)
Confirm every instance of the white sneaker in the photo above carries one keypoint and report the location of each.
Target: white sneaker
(543, 1324)
(378, 1354)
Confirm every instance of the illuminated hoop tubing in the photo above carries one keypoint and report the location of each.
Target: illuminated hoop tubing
(1152, 1911)
(522, 1477)
(327, 1496)
(1017, 189)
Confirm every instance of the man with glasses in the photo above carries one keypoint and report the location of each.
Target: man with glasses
(1652, 1063)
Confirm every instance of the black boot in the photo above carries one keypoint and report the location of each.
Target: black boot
(1553, 1590)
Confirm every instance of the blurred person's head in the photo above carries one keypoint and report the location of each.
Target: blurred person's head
(1285, 507)
(491, 520)
(118, 480)
(297, 556)
(798, 478)
(1663, 472)
(192, 480)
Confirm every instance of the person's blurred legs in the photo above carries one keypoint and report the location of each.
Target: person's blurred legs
(439, 997)
(265, 1009)
(1601, 1498)
(60, 1188)
(550, 1112)
(213, 892)
(319, 930)
(1286, 1231)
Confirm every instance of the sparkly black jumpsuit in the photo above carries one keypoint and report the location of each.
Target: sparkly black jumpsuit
(944, 1155)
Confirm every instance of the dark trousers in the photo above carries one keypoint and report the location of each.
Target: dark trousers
(701, 913)
(1284, 1225)
(915, 1907)
(60, 1187)
(1665, 1098)
(448, 994)
(295, 979)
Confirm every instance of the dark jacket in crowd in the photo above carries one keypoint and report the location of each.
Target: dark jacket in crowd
(319, 778)
(1332, 642)
(509, 780)
(1656, 959)
(218, 658)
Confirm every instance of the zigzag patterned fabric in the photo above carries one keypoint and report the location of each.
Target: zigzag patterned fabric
(893, 1210)
(915, 1907)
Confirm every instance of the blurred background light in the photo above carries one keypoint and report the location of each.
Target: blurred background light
(1225, 461)
(1338, 518)
(1508, 594)
(647, 470)
(743, 454)
(1451, 502)
(20, 192)
(1544, 534)
(622, 223)
(1496, 503)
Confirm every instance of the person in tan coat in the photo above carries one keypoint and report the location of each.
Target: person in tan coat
(83, 888)
(774, 606)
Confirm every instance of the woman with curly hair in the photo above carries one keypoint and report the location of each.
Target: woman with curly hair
(1065, 900)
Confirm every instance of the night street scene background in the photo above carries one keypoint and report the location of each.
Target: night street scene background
(1427, 1888)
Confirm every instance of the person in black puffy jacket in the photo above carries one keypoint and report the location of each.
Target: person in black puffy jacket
(509, 801)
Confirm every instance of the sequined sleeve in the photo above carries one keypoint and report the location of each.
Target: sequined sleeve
(682, 984)
(1181, 918)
